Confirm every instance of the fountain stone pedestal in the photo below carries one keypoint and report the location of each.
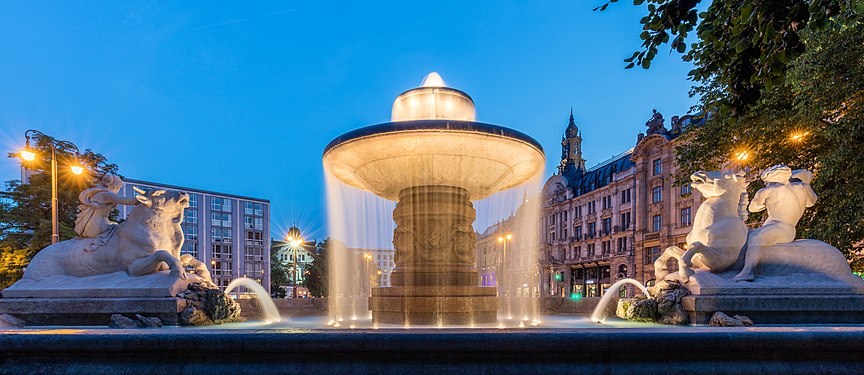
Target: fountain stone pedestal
(435, 280)
(433, 158)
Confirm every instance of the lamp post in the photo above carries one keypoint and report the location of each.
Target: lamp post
(504, 240)
(368, 258)
(294, 241)
(29, 154)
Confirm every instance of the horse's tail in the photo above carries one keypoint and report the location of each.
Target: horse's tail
(743, 202)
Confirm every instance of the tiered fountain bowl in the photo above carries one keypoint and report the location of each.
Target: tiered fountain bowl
(434, 159)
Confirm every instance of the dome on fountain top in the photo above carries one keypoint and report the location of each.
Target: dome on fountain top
(433, 100)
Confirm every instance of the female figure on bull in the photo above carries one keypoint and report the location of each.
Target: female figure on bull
(96, 205)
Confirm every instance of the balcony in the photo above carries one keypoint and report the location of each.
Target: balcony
(651, 236)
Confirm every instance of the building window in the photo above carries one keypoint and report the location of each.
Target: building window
(686, 219)
(220, 204)
(625, 221)
(193, 200)
(656, 223)
(651, 254)
(607, 226)
(622, 245)
(592, 230)
(591, 249)
(625, 196)
(656, 194)
(658, 167)
(672, 265)
(686, 189)
(578, 233)
(254, 238)
(191, 248)
(191, 216)
(606, 247)
(191, 233)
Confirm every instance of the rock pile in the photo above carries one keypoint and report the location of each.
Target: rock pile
(206, 304)
(124, 322)
(720, 319)
(664, 308)
(10, 321)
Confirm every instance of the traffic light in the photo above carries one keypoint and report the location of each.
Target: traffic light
(575, 296)
(557, 276)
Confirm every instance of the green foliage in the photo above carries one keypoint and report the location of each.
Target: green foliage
(745, 47)
(278, 276)
(25, 223)
(821, 101)
(316, 279)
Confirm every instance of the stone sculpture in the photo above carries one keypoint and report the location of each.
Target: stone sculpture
(718, 232)
(148, 241)
(785, 196)
(96, 205)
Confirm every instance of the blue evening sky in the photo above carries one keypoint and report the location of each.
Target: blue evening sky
(242, 97)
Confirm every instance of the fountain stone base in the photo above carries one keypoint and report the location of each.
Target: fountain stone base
(435, 280)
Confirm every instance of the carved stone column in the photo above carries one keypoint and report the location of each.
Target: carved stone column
(435, 280)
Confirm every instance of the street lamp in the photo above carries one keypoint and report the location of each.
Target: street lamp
(294, 241)
(368, 258)
(29, 154)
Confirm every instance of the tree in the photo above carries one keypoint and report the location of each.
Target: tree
(25, 222)
(743, 47)
(815, 120)
(278, 276)
(316, 279)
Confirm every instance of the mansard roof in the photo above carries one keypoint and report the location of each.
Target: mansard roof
(582, 182)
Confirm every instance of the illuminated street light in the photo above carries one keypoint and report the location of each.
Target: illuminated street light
(742, 155)
(29, 154)
(798, 136)
(294, 240)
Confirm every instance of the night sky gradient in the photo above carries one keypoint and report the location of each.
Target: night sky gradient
(242, 97)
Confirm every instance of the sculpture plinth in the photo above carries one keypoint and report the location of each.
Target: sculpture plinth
(435, 280)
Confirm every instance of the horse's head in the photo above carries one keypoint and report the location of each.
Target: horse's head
(165, 203)
(715, 184)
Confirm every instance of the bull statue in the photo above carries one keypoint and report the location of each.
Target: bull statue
(148, 241)
(719, 232)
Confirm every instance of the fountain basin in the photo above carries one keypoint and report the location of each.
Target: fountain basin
(388, 158)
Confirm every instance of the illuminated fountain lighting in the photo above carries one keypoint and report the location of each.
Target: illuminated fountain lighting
(265, 303)
(433, 159)
(599, 313)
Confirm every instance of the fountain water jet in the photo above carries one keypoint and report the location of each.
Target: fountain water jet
(433, 159)
(265, 303)
(599, 313)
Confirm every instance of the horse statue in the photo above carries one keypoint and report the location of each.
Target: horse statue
(148, 241)
(719, 232)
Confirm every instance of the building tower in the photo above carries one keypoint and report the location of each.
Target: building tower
(571, 147)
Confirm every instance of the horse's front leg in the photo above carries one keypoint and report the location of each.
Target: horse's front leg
(154, 262)
(199, 266)
(685, 269)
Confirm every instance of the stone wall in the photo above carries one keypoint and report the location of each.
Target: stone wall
(287, 307)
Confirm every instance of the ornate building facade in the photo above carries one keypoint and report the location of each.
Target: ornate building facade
(664, 212)
(611, 221)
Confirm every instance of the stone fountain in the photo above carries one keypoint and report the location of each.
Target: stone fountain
(433, 158)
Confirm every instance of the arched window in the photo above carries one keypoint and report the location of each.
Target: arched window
(622, 271)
